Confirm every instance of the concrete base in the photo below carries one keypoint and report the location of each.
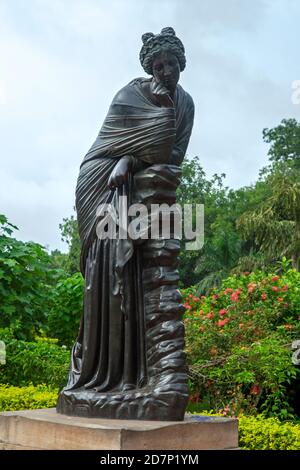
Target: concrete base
(46, 429)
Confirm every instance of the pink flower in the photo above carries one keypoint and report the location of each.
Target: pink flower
(264, 296)
(187, 306)
(191, 296)
(228, 290)
(226, 410)
(285, 288)
(279, 299)
(223, 322)
(201, 312)
(255, 389)
(208, 383)
(275, 288)
(252, 284)
(210, 315)
(275, 278)
(215, 296)
(235, 297)
(222, 312)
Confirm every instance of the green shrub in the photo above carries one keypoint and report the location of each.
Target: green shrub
(238, 344)
(268, 434)
(64, 318)
(260, 433)
(27, 398)
(26, 284)
(34, 363)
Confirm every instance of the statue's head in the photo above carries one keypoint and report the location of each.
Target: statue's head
(162, 44)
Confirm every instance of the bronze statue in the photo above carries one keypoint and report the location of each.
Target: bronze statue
(128, 360)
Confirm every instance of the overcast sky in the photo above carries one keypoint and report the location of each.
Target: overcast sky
(62, 61)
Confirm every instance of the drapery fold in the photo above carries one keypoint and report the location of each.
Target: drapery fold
(109, 354)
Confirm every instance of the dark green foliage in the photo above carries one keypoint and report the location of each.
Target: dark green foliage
(34, 362)
(26, 284)
(70, 234)
(275, 224)
(285, 142)
(64, 317)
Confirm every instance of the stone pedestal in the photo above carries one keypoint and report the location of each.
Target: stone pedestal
(45, 429)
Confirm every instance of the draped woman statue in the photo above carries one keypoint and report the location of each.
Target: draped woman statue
(128, 360)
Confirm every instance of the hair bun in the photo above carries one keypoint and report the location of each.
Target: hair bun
(147, 36)
(168, 30)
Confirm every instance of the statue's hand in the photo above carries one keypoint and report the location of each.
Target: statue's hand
(119, 174)
(162, 94)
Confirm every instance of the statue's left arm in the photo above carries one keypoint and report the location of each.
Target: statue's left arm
(184, 133)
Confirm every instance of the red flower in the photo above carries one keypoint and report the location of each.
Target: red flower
(222, 312)
(210, 315)
(264, 296)
(251, 289)
(255, 389)
(187, 306)
(252, 284)
(195, 397)
(275, 278)
(208, 383)
(275, 288)
(228, 290)
(285, 288)
(223, 322)
(279, 299)
(235, 297)
(191, 296)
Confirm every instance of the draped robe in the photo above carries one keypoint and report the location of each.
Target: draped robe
(109, 354)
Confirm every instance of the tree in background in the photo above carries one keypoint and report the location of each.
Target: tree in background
(26, 284)
(285, 143)
(70, 235)
(274, 224)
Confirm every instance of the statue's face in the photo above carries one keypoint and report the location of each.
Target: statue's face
(166, 70)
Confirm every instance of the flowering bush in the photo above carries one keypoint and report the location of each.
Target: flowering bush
(238, 344)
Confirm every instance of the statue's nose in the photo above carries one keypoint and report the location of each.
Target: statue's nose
(167, 71)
